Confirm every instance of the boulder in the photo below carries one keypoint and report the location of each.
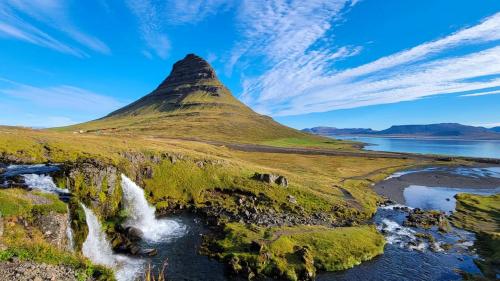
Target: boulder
(133, 233)
(271, 179)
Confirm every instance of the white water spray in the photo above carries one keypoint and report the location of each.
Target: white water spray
(43, 182)
(142, 215)
(98, 249)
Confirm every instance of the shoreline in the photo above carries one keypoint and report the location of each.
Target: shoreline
(393, 188)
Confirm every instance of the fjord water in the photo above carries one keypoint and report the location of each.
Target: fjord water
(468, 148)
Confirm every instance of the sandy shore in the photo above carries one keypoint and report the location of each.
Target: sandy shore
(393, 188)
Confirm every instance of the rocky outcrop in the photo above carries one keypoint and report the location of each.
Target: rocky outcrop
(190, 70)
(271, 179)
(427, 219)
(53, 227)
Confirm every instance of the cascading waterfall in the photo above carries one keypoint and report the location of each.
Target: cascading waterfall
(142, 215)
(43, 183)
(98, 249)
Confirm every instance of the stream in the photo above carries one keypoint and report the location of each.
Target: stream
(178, 237)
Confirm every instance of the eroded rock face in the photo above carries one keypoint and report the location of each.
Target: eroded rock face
(190, 70)
(53, 227)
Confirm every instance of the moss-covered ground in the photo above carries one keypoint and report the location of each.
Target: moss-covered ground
(295, 253)
(481, 214)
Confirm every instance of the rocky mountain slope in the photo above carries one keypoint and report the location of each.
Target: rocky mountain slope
(191, 103)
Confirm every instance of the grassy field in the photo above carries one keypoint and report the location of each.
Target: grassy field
(481, 214)
(206, 175)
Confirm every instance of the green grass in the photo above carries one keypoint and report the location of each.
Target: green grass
(481, 214)
(292, 252)
(312, 142)
(16, 202)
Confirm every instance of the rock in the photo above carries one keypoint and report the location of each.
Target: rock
(282, 181)
(133, 234)
(53, 226)
(147, 252)
(271, 178)
(291, 199)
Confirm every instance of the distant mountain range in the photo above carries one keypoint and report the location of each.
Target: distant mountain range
(441, 130)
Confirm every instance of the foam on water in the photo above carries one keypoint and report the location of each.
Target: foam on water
(43, 182)
(98, 249)
(142, 215)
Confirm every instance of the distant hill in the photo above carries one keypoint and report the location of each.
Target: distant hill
(191, 103)
(336, 131)
(441, 130)
(495, 129)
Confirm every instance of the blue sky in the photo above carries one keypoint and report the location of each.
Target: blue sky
(342, 63)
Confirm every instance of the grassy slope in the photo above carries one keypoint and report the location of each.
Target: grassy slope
(481, 214)
(315, 181)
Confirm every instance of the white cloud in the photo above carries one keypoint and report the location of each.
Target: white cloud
(302, 80)
(61, 97)
(482, 94)
(154, 16)
(18, 18)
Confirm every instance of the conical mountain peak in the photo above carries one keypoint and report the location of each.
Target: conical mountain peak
(190, 70)
(191, 102)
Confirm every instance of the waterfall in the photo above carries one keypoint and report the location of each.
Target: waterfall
(98, 249)
(43, 183)
(142, 215)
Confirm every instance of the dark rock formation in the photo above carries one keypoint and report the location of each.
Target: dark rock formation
(271, 178)
(427, 219)
(189, 70)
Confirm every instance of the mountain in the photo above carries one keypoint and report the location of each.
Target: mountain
(191, 103)
(495, 129)
(453, 130)
(336, 131)
(441, 130)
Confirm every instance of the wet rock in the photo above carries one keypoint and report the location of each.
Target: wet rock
(133, 234)
(427, 219)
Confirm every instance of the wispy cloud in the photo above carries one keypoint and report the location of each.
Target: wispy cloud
(303, 80)
(34, 21)
(155, 16)
(482, 94)
(62, 97)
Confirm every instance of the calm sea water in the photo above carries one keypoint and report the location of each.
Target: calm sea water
(489, 149)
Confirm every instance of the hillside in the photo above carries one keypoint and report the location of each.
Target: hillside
(441, 130)
(191, 103)
(495, 129)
